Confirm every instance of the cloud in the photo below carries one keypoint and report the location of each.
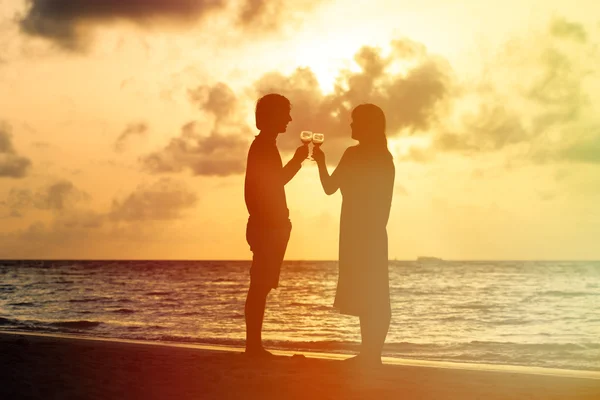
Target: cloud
(59, 196)
(67, 22)
(271, 15)
(12, 165)
(538, 86)
(410, 97)
(136, 129)
(561, 28)
(585, 150)
(139, 217)
(214, 155)
(409, 84)
(165, 199)
(218, 100)
(262, 12)
(490, 128)
(536, 90)
(219, 150)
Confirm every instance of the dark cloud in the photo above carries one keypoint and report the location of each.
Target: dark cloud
(214, 155)
(564, 29)
(68, 22)
(59, 196)
(136, 129)
(12, 165)
(165, 199)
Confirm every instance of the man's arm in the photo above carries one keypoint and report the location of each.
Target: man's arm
(294, 165)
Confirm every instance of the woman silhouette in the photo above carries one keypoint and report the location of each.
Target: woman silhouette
(365, 176)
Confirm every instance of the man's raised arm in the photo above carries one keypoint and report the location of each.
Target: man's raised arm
(294, 165)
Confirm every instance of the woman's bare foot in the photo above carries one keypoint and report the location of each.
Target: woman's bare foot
(364, 360)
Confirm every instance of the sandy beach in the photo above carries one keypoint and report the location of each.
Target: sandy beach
(48, 367)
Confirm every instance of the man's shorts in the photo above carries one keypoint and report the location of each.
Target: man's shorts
(268, 245)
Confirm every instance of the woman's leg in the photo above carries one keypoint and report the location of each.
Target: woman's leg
(373, 329)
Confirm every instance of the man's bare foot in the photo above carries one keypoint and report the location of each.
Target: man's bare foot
(258, 352)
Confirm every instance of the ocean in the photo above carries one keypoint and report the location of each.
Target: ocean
(529, 313)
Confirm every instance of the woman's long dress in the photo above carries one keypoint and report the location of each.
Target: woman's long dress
(366, 180)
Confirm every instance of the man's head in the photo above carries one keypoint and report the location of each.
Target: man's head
(273, 113)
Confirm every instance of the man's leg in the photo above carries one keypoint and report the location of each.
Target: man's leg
(255, 312)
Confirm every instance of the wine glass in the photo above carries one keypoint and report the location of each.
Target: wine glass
(318, 139)
(306, 138)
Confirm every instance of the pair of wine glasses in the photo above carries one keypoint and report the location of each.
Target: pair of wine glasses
(316, 138)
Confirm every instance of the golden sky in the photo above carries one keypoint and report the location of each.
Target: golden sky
(124, 125)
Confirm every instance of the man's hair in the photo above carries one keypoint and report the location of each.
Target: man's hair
(269, 105)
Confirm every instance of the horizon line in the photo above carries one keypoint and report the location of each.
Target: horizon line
(290, 260)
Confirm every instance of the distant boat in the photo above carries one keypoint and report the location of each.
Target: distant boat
(430, 260)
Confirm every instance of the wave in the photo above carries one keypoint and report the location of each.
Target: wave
(6, 321)
(6, 288)
(477, 306)
(44, 326)
(124, 311)
(89, 300)
(559, 293)
(76, 324)
(23, 304)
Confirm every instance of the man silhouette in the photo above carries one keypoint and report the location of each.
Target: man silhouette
(269, 226)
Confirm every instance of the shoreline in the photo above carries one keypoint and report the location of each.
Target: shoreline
(38, 366)
(397, 361)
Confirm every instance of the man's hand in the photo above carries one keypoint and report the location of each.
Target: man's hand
(301, 153)
(318, 155)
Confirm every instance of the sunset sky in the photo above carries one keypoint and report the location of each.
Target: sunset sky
(124, 125)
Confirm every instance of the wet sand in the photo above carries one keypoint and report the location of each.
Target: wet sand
(49, 367)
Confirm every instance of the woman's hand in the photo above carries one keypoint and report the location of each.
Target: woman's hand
(318, 155)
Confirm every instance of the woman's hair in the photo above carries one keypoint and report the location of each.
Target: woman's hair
(375, 119)
(268, 106)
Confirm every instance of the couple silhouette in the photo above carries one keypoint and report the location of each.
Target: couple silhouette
(365, 177)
